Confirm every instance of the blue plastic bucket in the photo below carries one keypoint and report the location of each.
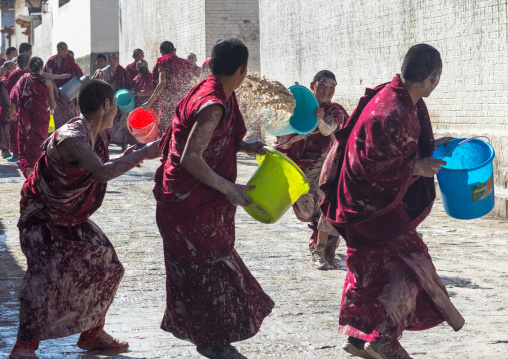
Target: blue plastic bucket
(467, 181)
(303, 120)
(124, 100)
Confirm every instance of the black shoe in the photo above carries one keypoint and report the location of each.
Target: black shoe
(355, 347)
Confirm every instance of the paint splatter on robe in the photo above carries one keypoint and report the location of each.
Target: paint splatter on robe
(73, 271)
(143, 84)
(179, 75)
(5, 118)
(118, 80)
(13, 129)
(212, 299)
(391, 284)
(309, 154)
(64, 110)
(30, 95)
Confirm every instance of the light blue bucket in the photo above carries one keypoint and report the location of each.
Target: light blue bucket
(467, 181)
(124, 100)
(302, 122)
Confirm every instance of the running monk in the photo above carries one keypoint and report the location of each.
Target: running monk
(212, 298)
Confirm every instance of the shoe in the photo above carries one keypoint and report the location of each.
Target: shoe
(318, 258)
(355, 347)
(98, 339)
(24, 350)
(386, 350)
(13, 159)
(6, 154)
(220, 352)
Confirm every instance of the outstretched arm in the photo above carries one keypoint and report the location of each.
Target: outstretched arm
(76, 151)
(159, 90)
(192, 157)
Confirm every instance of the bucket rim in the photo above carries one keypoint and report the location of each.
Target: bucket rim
(491, 157)
(273, 151)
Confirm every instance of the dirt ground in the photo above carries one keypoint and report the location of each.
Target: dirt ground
(470, 257)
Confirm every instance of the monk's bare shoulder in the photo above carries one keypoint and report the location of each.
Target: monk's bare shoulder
(76, 151)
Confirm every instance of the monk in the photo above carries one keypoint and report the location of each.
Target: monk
(73, 271)
(29, 103)
(10, 54)
(196, 70)
(63, 63)
(131, 68)
(22, 61)
(309, 153)
(118, 78)
(101, 61)
(384, 190)
(142, 85)
(5, 109)
(172, 79)
(25, 48)
(212, 298)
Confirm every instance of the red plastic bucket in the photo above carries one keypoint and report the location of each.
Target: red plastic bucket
(143, 125)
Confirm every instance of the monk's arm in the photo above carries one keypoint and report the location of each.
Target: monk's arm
(51, 76)
(192, 157)
(76, 151)
(51, 96)
(14, 113)
(159, 90)
(5, 95)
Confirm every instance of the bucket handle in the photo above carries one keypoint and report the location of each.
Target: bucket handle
(154, 123)
(465, 141)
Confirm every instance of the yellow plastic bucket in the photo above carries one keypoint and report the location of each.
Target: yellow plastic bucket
(279, 183)
(51, 127)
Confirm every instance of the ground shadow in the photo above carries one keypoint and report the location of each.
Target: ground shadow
(9, 170)
(461, 283)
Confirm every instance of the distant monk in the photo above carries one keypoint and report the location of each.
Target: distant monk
(25, 48)
(118, 78)
(22, 61)
(212, 300)
(63, 63)
(5, 109)
(101, 61)
(131, 68)
(383, 190)
(172, 79)
(73, 271)
(142, 84)
(196, 70)
(11, 53)
(29, 103)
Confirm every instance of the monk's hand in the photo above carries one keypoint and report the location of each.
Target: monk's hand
(253, 148)
(152, 150)
(428, 166)
(445, 140)
(129, 150)
(319, 113)
(14, 116)
(237, 196)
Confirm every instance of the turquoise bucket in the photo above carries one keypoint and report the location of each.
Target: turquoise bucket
(302, 122)
(467, 181)
(124, 100)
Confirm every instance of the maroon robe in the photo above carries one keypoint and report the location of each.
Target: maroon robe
(391, 284)
(5, 118)
(64, 110)
(212, 299)
(142, 84)
(73, 271)
(30, 95)
(132, 70)
(13, 129)
(179, 82)
(309, 153)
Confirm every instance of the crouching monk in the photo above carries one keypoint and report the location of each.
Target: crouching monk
(212, 298)
(385, 190)
(73, 271)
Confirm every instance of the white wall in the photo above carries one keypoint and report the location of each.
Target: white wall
(104, 25)
(364, 41)
(145, 24)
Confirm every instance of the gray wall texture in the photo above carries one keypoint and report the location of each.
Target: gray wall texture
(192, 26)
(364, 42)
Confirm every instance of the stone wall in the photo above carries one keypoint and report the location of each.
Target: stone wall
(364, 41)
